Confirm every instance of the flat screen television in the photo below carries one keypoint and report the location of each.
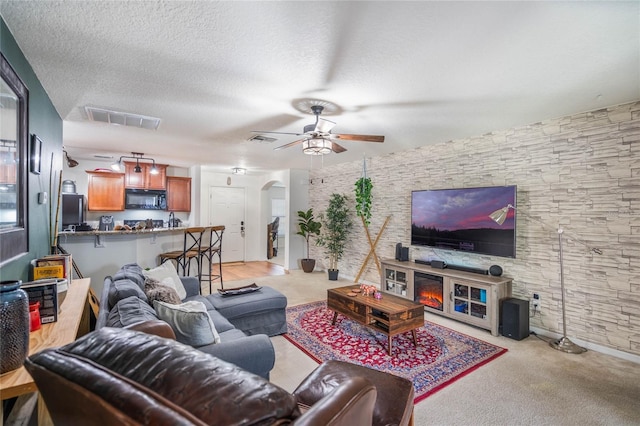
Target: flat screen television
(458, 219)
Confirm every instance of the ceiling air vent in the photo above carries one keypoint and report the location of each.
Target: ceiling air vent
(121, 118)
(262, 139)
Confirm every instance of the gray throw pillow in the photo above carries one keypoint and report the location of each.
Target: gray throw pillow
(131, 271)
(122, 289)
(130, 311)
(156, 291)
(190, 322)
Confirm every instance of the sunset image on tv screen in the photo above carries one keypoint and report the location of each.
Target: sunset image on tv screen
(458, 219)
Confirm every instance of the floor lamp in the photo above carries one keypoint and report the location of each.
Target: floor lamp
(563, 344)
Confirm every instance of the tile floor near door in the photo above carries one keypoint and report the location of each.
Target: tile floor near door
(532, 384)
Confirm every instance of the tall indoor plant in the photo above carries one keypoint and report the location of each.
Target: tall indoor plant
(308, 226)
(336, 225)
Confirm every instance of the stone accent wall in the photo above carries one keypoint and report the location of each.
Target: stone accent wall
(581, 172)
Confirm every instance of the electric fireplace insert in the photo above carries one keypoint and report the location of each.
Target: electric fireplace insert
(428, 290)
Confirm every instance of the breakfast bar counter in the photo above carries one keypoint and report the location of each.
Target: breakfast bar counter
(122, 231)
(98, 253)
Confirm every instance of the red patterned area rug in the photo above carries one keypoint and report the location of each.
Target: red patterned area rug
(442, 356)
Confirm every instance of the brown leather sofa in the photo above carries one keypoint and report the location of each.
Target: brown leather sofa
(125, 377)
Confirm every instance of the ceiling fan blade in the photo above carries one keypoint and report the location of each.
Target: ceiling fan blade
(324, 126)
(277, 133)
(290, 144)
(337, 148)
(363, 138)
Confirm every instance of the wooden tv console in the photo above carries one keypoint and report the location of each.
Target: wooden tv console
(467, 297)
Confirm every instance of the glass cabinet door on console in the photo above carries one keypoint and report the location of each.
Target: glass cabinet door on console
(396, 281)
(470, 300)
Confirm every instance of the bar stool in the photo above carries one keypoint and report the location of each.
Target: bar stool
(190, 250)
(210, 249)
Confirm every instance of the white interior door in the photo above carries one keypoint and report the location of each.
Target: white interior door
(226, 207)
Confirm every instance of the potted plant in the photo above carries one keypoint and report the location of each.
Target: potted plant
(363, 198)
(308, 226)
(336, 225)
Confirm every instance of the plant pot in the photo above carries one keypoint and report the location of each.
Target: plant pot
(308, 265)
(333, 274)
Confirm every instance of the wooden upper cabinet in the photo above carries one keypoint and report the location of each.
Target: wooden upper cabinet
(106, 191)
(178, 194)
(144, 179)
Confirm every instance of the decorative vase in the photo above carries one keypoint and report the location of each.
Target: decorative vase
(14, 325)
(308, 264)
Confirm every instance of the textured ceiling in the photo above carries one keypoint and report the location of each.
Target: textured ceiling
(415, 72)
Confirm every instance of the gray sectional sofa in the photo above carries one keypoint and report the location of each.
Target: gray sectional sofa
(243, 322)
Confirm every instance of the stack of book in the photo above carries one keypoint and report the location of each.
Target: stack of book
(51, 276)
(52, 266)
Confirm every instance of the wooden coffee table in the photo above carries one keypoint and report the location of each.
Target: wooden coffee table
(390, 315)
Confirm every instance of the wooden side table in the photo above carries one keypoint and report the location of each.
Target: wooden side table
(73, 322)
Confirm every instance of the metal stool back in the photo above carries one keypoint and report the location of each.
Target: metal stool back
(212, 249)
(191, 250)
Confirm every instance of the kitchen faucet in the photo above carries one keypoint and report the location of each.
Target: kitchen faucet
(172, 218)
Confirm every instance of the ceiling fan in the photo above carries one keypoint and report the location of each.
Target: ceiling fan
(317, 138)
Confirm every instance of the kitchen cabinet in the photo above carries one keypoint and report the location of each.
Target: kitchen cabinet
(105, 191)
(178, 194)
(144, 179)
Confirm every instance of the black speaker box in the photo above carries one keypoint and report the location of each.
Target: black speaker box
(438, 264)
(398, 251)
(404, 254)
(515, 318)
(468, 269)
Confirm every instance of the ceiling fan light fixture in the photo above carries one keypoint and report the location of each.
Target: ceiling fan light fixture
(316, 146)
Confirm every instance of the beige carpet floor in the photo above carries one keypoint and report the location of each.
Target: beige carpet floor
(532, 384)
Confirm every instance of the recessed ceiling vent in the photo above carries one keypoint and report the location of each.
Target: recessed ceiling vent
(262, 139)
(121, 118)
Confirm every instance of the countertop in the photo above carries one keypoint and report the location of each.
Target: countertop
(123, 232)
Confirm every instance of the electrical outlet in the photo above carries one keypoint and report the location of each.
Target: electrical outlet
(535, 302)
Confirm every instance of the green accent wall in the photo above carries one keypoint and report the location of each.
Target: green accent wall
(45, 122)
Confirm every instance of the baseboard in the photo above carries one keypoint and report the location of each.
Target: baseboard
(590, 345)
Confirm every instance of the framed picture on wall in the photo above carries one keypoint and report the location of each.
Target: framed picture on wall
(36, 154)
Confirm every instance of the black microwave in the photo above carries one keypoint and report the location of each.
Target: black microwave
(145, 199)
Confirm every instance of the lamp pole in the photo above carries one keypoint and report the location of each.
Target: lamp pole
(564, 344)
